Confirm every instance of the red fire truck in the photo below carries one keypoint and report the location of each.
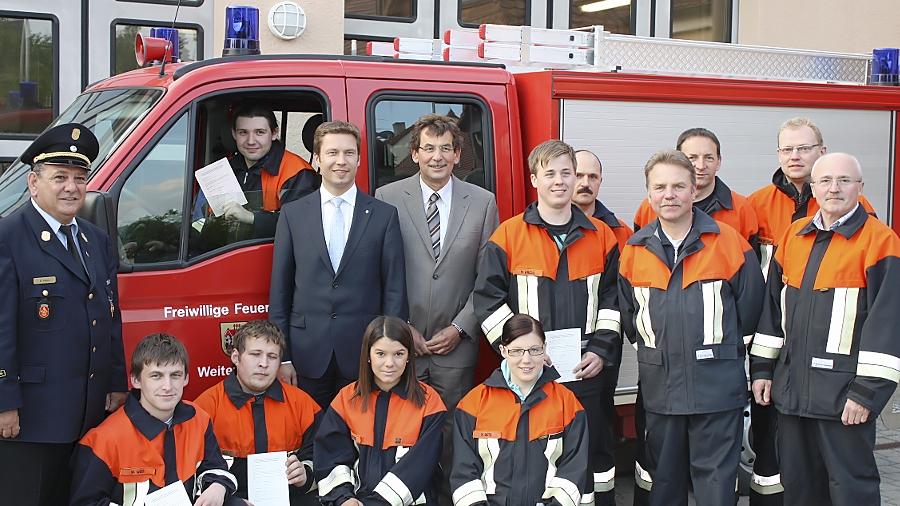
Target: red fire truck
(159, 124)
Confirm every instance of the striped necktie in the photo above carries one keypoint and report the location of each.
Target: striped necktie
(433, 219)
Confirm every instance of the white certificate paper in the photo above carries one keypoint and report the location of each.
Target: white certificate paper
(267, 483)
(564, 348)
(220, 186)
(173, 494)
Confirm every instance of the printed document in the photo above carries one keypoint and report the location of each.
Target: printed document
(267, 483)
(564, 348)
(172, 494)
(220, 186)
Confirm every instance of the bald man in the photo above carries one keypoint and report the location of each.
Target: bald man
(825, 352)
(589, 176)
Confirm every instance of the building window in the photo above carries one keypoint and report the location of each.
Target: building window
(379, 8)
(614, 15)
(498, 12)
(708, 20)
(189, 45)
(28, 75)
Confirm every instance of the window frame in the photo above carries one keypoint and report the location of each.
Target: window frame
(414, 16)
(632, 15)
(151, 24)
(459, 20)
(727, 29)
(487, 124)
(54, 31)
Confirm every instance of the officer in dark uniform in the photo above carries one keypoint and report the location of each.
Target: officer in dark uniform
(62, 364)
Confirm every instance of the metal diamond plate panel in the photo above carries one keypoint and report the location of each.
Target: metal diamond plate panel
(647, 54)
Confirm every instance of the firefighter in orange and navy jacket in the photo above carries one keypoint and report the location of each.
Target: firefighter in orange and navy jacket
(559, 266)
(253, 412)
(777, 205)
(826, 351)
(155, 440)
(380, 441)
(520, 437)
(690, 288)
(589, 174)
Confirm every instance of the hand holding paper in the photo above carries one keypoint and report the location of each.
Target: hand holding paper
(220, 186)
(564, 349)
(267, 481)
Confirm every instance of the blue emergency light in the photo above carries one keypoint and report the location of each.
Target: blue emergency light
(241, 30)
(171, 35)
(885, 66)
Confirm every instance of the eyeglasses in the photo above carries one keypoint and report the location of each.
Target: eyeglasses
(825, 182)
(803, 150)
(534, 351)
(445, 149)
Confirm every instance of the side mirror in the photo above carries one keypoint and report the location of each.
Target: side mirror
(96, 209)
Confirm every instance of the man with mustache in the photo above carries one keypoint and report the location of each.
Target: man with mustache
(589, 176)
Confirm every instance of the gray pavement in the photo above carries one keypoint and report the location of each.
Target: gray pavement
(887, 456)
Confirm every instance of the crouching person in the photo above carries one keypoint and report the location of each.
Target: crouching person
(379, 442)
(155, 441)
(253, 412)
(520, 437)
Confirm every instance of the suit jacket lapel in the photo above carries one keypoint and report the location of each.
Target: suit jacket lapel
(412, 198)
(361, 213)
(313, 212)
(458, 208)
(52, 245)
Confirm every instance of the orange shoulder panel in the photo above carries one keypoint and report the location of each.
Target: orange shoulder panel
(529, 250)
(773, 211)
(291, 164)
(495, 410)
(404, 420)
(643, 269)
(742, 216)
(190, 442)
(623, 232)
(208, 401)
(349, 408)
(553, 414)
(583, 257)
(722, 256)
(644, 214)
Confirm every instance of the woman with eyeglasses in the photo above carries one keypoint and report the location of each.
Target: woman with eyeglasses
(380, 440)
(520, 437)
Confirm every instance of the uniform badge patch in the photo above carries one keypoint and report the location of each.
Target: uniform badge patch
(43, 311)
(76, 133)
(228, 330)
(45, 236)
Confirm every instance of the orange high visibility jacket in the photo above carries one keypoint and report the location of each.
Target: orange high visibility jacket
(124, 458)
(286, 422)
(621, 230)
(524, 271)
(690, 318)
(507, 451)
(828, 328)
(384, 455)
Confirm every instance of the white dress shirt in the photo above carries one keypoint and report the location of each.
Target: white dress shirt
(54, 225)
(349, 198)
(443, 204)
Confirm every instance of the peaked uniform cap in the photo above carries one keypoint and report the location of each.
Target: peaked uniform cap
(67, 144)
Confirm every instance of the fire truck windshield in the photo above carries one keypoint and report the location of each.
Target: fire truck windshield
(110, 114)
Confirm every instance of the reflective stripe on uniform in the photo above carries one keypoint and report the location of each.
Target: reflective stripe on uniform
(564, 491)
(338, 476)
(642, 317)
(766, 485)
(527, 287)
(766, 346)
(587, 499)
(712, 312)
(489, 449)
(392, 489)
(134, 494)
(469, 493)
(609, 319)
(605, 481)
(552, 452)
(641, 477)
(593, 285)
(766, 251)
(878, 365)
(398, 454)
(218, 472)
(843, 319)
(493, 324)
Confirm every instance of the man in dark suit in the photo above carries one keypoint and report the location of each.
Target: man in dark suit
(338, 263)
(445, 224)
(62, 364)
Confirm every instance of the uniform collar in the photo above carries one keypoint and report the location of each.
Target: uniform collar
(701, 224)
(781, 181)
(579, 219)
(51, 221)
(149, 425)
(603, 214)
(239, 397)
(498, 380)
(853, 222)
(271, 162)
(720, 198)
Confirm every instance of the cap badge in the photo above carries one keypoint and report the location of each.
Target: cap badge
(76, 133)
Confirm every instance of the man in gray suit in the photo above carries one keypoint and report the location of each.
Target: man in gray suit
(445, 223)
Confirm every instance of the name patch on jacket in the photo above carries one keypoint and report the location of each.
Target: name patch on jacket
(44, 280)
(822, 363)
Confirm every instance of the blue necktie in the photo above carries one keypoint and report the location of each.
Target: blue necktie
(336, 234)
